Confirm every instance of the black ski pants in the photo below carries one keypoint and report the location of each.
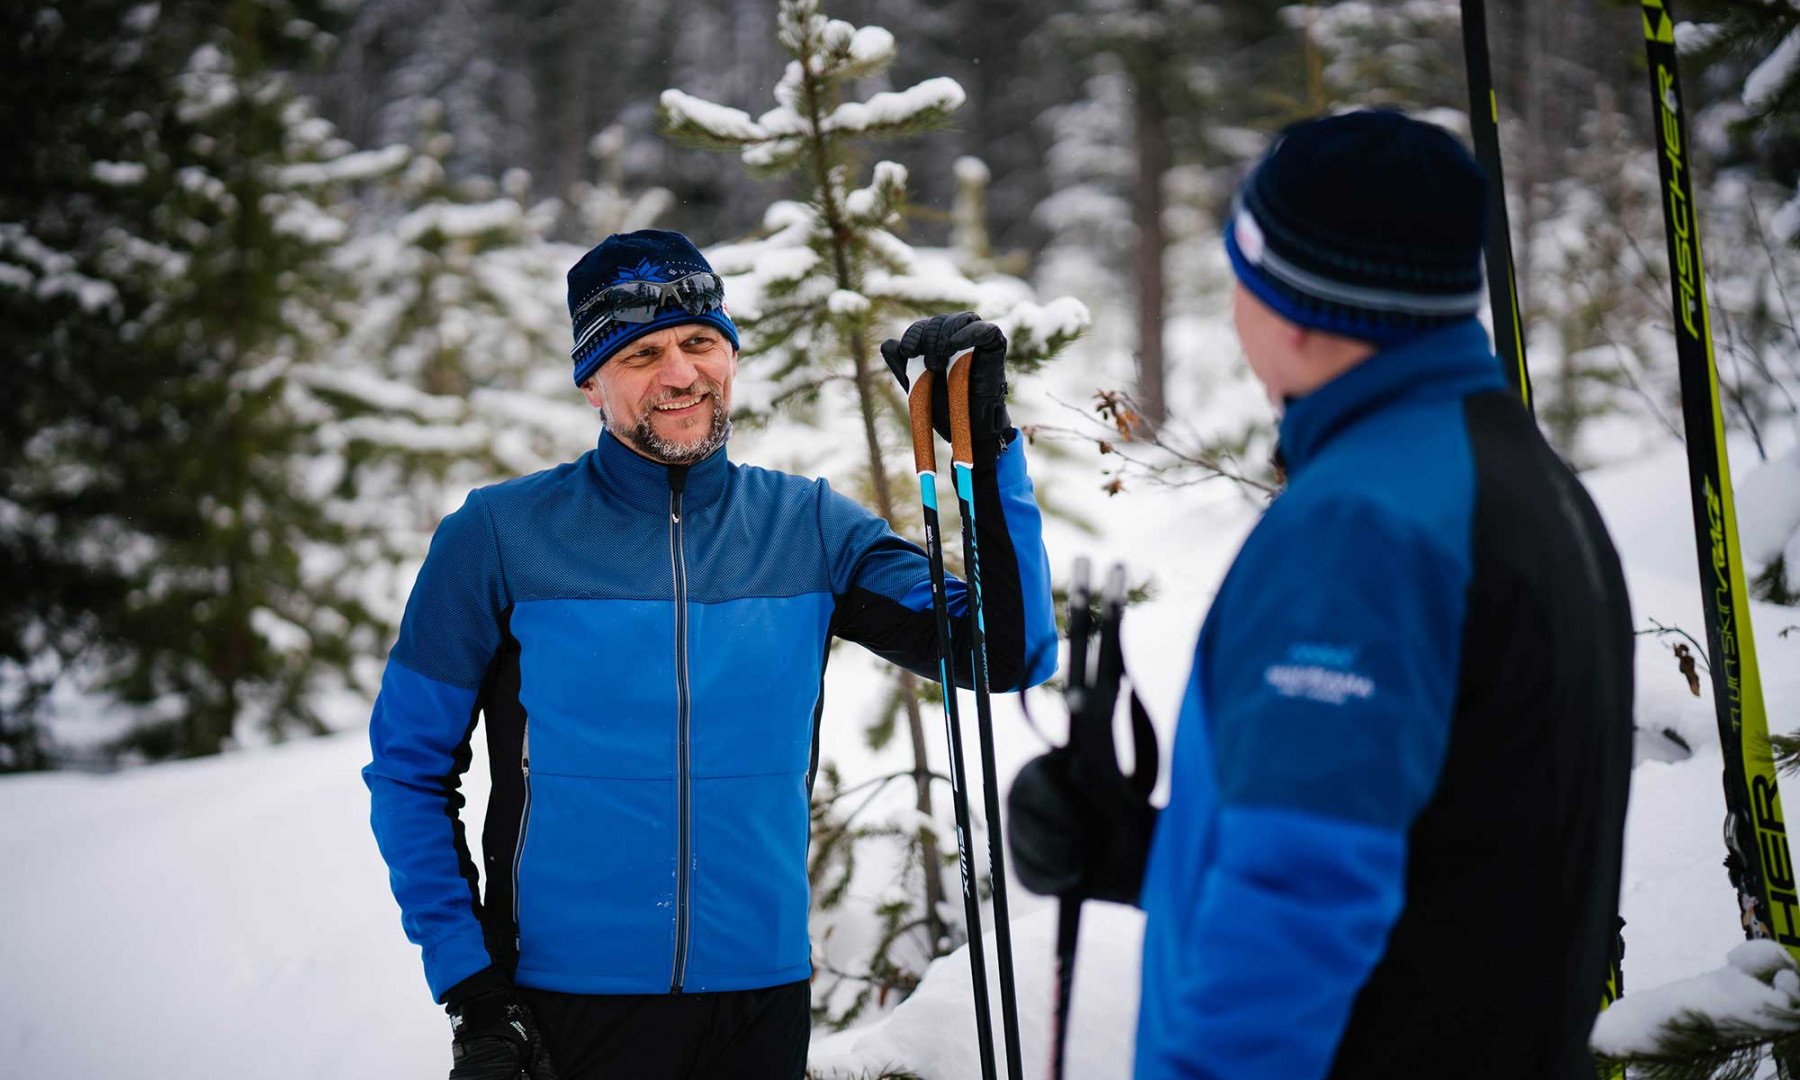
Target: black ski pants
(731, 1035)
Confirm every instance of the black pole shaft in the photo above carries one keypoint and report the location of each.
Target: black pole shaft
(925, 461)
(984, 733)
(1484, 125)
(1068, 916)
(1068, 932)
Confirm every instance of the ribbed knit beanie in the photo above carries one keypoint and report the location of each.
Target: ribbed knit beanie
(645, 255)
(1368, 224)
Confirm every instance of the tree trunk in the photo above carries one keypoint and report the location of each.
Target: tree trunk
(866, 390)
(1152, 162)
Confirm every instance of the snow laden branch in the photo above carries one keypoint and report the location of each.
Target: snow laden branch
(781, 281)
(827, 52)
(1719, 1026)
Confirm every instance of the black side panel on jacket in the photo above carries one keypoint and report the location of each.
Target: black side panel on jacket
(506, 803)
(1496, 965)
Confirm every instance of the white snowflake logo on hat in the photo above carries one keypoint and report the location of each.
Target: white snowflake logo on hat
(1249, 235)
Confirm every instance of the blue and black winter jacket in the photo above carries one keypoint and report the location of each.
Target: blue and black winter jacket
(1398, 784)
(648, 644)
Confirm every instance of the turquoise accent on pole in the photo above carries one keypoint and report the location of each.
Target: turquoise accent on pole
(965, 491)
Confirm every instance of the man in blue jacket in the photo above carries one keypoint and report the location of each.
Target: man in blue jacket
(1392, 843)
(645, 631)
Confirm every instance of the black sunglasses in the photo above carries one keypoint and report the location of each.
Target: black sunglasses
(642, 301)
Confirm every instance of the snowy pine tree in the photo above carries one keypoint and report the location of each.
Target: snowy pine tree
(164, 266)
(813, 297)
(438, 380)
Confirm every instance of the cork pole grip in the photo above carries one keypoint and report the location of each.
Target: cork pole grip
(962, 439)
(918, 404)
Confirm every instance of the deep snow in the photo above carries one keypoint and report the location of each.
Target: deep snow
(230, 917)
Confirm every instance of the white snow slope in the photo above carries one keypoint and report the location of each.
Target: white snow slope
(230, 918)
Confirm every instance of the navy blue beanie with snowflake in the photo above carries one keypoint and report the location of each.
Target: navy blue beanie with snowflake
(646, 256)
(1368, 225)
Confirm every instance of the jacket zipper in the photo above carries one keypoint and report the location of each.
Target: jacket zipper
(524, 817)
(684, 784)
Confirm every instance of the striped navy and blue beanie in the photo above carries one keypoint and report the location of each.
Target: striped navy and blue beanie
(645, 255)
(1369, 225)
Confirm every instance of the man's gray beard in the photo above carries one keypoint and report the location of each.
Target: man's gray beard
(651, 445)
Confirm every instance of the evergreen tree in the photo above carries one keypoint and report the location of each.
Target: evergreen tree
(163, 270)
(439, 380)
(813, 297)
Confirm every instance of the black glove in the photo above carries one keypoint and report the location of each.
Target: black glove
(1069, 841)
(492, 1033)
(1079, 827)
(941, 337)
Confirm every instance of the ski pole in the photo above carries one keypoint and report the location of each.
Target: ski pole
(1503, 298)
(962, 469)
(1068, 906)
(1092, 696)
(1484, 125)
(918, 401)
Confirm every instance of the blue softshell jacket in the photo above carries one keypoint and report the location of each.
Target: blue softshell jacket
(648, 644)
(1399, 774)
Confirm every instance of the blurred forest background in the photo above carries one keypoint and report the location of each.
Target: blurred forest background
(272, 269)
(280, 280)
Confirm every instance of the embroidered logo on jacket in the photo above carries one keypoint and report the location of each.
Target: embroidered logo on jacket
(1317, 673)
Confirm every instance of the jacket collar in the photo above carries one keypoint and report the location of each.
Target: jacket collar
(645, 484)
(1441, 364)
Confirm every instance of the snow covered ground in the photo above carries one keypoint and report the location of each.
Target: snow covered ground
(230, 917)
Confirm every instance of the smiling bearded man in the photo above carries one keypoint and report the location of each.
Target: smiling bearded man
(645, 630)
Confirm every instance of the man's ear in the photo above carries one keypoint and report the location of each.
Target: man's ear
(591, 390)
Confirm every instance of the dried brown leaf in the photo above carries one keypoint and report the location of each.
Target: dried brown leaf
(1686, 660)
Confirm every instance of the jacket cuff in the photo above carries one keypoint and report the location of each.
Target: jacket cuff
(450, 962)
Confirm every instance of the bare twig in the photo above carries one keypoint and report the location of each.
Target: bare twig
(1660, 630)
(1620, 351)
(1775, 276)
(1735, 388)
(1124, 427)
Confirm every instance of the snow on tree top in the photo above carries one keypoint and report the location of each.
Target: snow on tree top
(872, 45)
(892, 108)
(1692, 37)
(1752, 993)
(456, 220)
(722, 121)
(848, 303)
(118, 173)
(971, 170)
(362, 165)
(1060, 319)
(1765, 83)
(782, 120)
(785, 264)
(141, 18)
(379, 393)
(306, 221)
(885, 189)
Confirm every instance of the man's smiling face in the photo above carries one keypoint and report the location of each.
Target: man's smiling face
(667, 394)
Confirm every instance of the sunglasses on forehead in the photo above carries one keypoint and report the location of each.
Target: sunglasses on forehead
(642, 301)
